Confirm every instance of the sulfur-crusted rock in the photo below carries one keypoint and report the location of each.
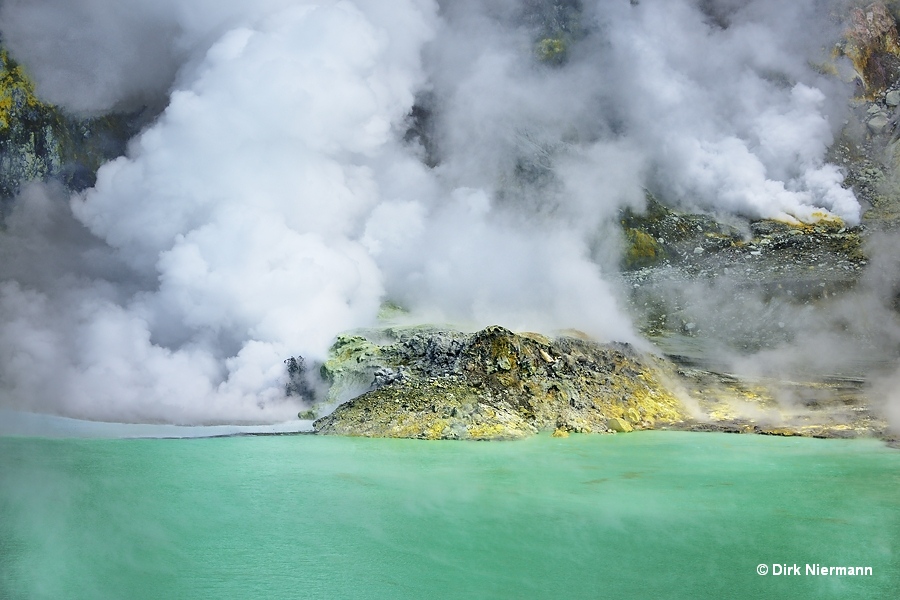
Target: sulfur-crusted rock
(872, 44)
(620, 425)
(495, 384)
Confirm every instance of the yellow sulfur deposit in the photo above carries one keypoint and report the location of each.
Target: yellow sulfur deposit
(16, 92)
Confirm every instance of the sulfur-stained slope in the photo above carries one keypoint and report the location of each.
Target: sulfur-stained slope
(496, 384)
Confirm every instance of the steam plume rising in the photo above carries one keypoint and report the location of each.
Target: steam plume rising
(278, 198)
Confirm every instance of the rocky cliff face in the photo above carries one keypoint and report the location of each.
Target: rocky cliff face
(40, 142)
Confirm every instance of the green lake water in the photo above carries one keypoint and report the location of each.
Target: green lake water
(643, 515)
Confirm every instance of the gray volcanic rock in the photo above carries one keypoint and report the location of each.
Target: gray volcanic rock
(39, 142)
(495, 384)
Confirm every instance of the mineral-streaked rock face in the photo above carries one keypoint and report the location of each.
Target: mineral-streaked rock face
(39, 142)
(872, 44)
(495, 384)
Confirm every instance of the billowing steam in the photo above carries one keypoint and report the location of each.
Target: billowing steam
(315, 158)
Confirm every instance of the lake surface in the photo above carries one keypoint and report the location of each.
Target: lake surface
(643, 515)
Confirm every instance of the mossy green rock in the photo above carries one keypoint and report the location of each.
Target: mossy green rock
(496, 384)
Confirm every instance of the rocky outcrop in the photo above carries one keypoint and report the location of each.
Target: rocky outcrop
(669, 253)
(661, 236)
(39, 142)
(495, 384)
(433, 383)
(872, 44)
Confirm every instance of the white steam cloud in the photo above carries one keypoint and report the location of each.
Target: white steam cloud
(278, 198)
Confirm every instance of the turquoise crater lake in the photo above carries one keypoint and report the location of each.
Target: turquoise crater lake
(644, 515)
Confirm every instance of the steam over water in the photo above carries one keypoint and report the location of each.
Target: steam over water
(313, 159)
(647, 515)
